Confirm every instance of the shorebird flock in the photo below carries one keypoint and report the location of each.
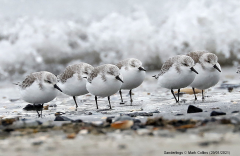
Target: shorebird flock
(198, 69)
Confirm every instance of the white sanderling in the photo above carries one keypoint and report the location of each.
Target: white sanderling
(133, 74)
(73, 80)
(209, 70)
(177, 72)
(39, 88)
(104, 81)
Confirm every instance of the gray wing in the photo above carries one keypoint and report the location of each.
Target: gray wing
(167, 65)
(29, 80)
(97, 70)
(93, 74)
(119, 65)
(69, 72)
(195, 55)
(122, 63)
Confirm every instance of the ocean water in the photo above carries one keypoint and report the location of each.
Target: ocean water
(50, 34)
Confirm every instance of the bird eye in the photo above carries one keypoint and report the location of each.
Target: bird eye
(185, 64)
(47, 81)
(208, 61)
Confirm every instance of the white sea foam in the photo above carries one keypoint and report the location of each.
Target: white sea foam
(48, 35)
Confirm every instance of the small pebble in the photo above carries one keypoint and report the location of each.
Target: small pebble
(62, 118)
(71, 136)
(45, 107)
(215, 113)
(83, 132)
(193, 109)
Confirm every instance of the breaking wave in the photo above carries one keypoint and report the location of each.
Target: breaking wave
(150, 31)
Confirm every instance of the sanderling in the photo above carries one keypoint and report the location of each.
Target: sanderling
(133, 74)
(73, 80)
(39, 88)
(104, 80)
(176, 73)
(209, 70)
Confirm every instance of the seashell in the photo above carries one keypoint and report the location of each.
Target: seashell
(125, 124)
(45, 107)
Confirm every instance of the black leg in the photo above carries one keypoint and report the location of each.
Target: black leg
(74, 98)
(120, 92)
(178, 94)
(130, 93)
(194, 93)
(36, 110)
(96, 101)
(174, 96)
(109, 102)
(42, 109)
(202, 95)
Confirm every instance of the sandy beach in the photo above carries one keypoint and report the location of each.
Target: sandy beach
(160, 125)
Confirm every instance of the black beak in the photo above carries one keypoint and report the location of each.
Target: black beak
(215, 66)
(141, 68)
(55, 86)
(118, 78)
(192, 69)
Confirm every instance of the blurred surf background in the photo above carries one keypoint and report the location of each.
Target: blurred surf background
(51, 34)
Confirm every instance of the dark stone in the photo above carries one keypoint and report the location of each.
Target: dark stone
(137, 121)
(156, 111)
(31, 107)
(128, 114)
(205, 121)
(109, 120)
(207, 143)
(39, 122)
(135, 127)
(77, 121)
(225, 121)
(13, 100)
(52, 105)
(137, 114)
(230, 89)
(193, 109)
(37, 143)
(213, 120)
(178, 114)
(8, 130)
(215, 113)
(121, 146)
(62, 118)
(182, 130)
(227, 85)
(235, 111)
(88, 113)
